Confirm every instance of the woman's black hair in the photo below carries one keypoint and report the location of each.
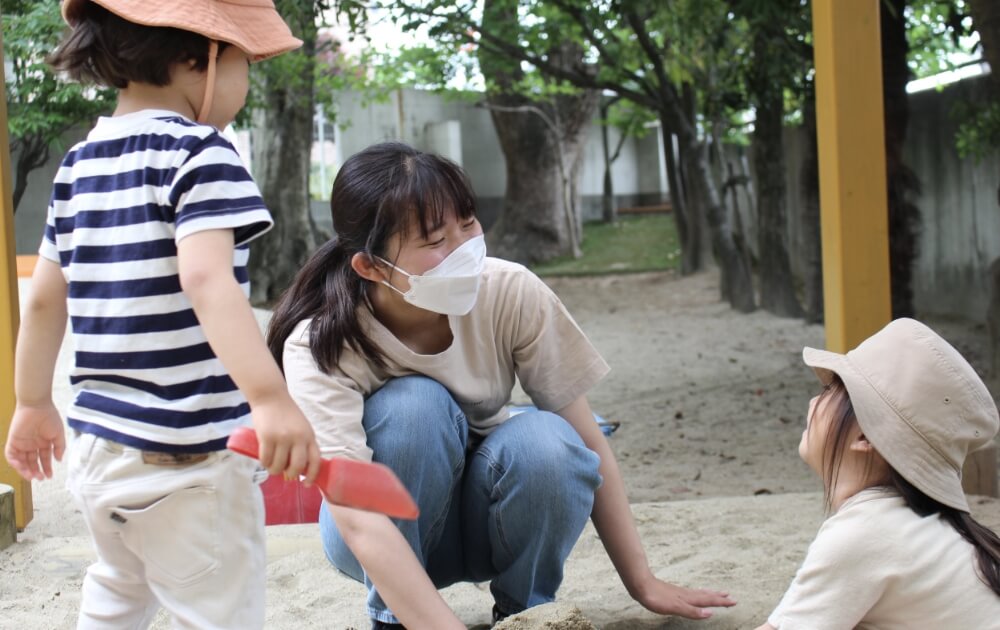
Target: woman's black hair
(379, 192)
(843, 420)
(106, 49)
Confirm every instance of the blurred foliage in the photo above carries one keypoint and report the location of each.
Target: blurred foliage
(940, 36)
(978, 132)
(41, 105)
(319, 71)
(630, 119)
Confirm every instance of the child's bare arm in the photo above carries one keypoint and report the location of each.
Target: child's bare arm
(36, 431)
(205, 262)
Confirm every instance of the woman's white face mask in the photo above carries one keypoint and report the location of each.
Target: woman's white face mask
(451, 287)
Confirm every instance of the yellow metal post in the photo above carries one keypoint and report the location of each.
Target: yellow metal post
(9, 318)
(852, 180)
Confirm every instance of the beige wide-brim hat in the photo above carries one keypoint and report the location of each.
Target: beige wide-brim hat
(919, 403)
(254, 26)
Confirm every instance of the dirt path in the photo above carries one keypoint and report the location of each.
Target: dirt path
(712, 403)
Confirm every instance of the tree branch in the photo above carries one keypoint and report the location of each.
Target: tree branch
(577, 78)
(589, 33)
(668, 95)
(462, 27)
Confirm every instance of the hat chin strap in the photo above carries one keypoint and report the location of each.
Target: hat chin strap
(206, 101)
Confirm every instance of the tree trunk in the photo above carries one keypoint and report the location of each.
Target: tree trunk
(542, 142)
(810, 218)
(688, 227)
(904, 215)
(282, 141)
(540, 219)
(767, 85)
(986, 21)
(609, 211)
(704, 203)
(993, 323)
(32, 153)
(696, 200)
(736, 282)
(777, 289)
(734, 181)
(21, 180)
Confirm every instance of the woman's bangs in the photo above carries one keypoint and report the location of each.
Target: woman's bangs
(435, 191)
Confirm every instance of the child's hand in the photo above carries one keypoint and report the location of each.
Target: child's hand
(670, 599)
(36, 434)
(287, 443)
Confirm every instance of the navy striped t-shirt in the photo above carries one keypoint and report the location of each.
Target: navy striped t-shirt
(144, 374)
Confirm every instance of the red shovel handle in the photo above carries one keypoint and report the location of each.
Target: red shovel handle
(244, 441)
(363, 485)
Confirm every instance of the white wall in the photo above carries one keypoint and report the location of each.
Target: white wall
(415, 117)
(432, 122)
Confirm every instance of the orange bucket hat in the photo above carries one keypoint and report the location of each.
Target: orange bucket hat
(253, 26)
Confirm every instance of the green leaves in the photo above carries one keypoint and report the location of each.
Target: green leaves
(939, 33)
(40, 102)
(41, 106)
(978, 132)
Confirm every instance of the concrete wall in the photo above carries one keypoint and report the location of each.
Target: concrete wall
(959, 205)
(960, 233)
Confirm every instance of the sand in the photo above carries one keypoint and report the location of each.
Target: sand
(711, 405)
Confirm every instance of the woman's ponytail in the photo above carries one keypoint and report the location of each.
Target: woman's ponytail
(327, 291)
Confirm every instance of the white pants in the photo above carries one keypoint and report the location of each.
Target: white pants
(188, 538)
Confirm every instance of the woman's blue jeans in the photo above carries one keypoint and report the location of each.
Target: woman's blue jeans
(507, 508)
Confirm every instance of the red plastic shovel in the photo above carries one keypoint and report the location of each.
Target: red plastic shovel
(362, 485)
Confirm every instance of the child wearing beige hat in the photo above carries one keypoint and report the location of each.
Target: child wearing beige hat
(888, 435)
(145, 251)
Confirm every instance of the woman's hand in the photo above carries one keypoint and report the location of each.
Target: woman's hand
(613, 520)
(669, 599)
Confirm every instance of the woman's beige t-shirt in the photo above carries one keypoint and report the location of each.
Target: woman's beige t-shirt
(878, 564)
(518, 327)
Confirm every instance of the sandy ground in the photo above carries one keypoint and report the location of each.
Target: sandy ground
(711, 407)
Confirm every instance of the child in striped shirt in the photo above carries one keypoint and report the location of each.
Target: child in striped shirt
(145, 251)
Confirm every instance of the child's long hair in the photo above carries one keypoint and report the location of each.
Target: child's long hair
(380, 192)
(842, 423)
